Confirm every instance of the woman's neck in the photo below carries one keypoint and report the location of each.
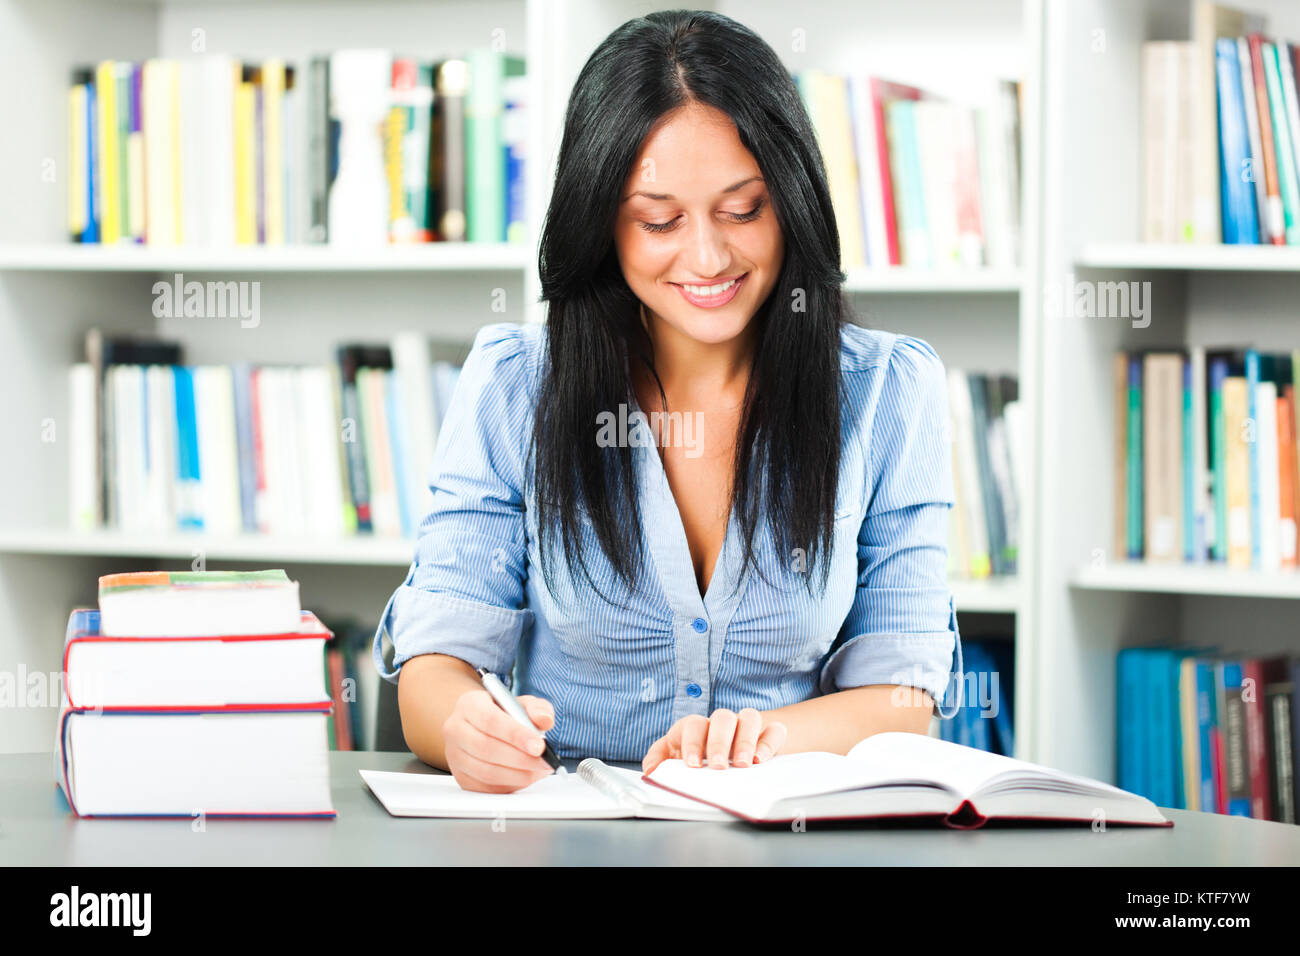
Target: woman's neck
(696, 374)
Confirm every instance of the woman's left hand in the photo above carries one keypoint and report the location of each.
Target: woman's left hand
(723, 739)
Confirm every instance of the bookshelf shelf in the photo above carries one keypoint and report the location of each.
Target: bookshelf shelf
(1188, 579)
(1190, 257)
(988, 596)
(904, 280)
(359, 550)
(449, 256)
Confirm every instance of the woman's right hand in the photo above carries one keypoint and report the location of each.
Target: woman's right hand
(488, 751)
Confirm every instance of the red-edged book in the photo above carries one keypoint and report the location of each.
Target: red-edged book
(194, 726)
(906, 776)
(876, 168)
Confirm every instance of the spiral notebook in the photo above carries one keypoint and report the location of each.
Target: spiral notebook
(596, 792)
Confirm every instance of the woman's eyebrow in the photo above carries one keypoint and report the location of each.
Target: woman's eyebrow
(668, 198)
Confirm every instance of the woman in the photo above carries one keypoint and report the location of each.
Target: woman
(699, 512)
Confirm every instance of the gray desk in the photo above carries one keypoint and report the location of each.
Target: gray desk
(36, 828)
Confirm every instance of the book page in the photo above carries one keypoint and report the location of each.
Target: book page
(751, 791)
(965, 770)
(439, 795)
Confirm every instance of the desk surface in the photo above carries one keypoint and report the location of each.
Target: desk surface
(36, 828)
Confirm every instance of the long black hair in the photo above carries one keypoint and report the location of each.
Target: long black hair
(788, 443)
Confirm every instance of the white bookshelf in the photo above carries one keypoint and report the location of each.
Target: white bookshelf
(1189, 256)
(433, 257)
(950, 281)
(52, 291)
(1087, 603)
(1189, 579)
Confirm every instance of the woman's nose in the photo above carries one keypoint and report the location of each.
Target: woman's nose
(706, 252)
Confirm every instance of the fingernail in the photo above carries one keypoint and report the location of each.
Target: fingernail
(743, 760)
(763, 753)
(718, 763)
(535, 747)
(693, 760)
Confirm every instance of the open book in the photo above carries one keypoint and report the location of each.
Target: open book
(904, 775)
(596, 792)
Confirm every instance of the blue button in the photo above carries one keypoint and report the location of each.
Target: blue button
(693, 690)
(700, 625)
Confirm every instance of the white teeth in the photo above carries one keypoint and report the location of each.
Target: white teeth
(707, 290)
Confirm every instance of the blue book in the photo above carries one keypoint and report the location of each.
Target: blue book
(1130, 720)
(91, 232)
(397, 441)
(1236, 760)
(905, 168)
(1003, 654)
(1237, 194)
(977, 663)
(241, 374)
(1205, 695)
(1252, 386)
(189, 500)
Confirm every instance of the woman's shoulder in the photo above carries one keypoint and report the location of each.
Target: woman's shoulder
(508, 352)
(872, 351)
(888, 375)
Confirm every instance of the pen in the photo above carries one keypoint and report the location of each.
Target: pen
(510, 704)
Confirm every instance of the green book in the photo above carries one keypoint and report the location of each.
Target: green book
(1134, 483)
(1289, 186)
(1219, 459)
(485, 152)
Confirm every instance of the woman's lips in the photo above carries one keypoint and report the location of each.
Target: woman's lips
(712, 301)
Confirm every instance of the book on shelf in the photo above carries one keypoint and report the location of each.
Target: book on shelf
(1221, 133)
(295, 451)
(987, 458)
(170, 715)
(358, 147)
(1198, 729)
(916, 180)
(984, 720)
(1206, 462)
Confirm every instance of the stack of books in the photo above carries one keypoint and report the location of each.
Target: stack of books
(360, 147)
(1206, 468)
(1221, 134)
(987, 460)
(917, 180)
(195, 694)
(1201, 730)
(297, 451)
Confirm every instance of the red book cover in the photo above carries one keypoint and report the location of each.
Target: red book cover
(1287, 473)
(342, 730)
(1261, 802)
(1271, 187)
(881, 91)
(970, 228)
(255, 412)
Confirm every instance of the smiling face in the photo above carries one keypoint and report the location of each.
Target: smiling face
(696, 235)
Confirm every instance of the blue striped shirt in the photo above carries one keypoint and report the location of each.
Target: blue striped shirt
(620, 676)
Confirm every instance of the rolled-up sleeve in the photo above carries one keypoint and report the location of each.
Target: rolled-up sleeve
(902, 627)
(464, 591)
